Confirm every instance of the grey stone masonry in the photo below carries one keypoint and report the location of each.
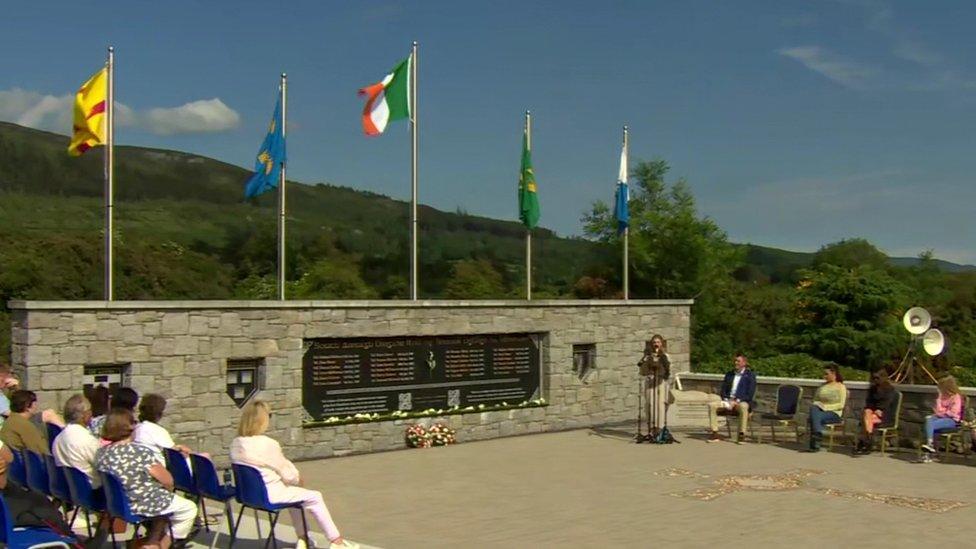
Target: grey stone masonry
(917, 401)
(180, 349)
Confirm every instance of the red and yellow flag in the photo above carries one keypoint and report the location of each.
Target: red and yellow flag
(89, 118)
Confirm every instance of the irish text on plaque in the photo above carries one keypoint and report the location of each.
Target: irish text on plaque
(367, 378)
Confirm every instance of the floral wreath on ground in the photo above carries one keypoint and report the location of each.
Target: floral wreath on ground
(417, 436)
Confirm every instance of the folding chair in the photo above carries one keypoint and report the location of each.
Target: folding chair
(29, 537)
(252, 492)
(787, 403)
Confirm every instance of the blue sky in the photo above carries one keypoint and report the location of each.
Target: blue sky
(795, 123)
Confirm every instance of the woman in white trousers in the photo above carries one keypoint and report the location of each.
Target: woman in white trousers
(252, 447)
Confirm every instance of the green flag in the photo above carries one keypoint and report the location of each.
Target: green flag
(527, 196)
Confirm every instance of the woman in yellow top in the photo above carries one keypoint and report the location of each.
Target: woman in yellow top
(828, 405)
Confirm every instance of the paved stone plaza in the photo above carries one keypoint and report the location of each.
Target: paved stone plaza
(594, 488)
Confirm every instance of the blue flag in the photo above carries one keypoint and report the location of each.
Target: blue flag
(620, 202)
(271, 157)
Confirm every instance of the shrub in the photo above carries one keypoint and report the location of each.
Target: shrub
(795, 365)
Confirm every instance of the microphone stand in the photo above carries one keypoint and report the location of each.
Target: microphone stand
(652, 417)
(639, 438)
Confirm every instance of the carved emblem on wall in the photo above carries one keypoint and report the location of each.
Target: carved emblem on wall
(242, 380)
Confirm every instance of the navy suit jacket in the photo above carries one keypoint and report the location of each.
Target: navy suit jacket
(745, 391)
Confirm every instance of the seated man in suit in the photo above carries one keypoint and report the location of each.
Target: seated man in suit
(738, 391)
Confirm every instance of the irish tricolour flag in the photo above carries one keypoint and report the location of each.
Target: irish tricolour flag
(388, 99)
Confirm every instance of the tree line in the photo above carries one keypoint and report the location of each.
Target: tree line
(185, 233)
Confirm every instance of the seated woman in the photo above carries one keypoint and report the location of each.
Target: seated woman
(946, 414)
(147, 483)
(828, 404)
(252, 447)
(880, 408)
(150, 433)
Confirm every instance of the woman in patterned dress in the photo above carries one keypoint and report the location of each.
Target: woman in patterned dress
(147, 483)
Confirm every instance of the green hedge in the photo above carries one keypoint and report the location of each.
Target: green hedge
(796, 365)
(804, 366)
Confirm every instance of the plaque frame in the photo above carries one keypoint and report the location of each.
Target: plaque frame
(538, 342)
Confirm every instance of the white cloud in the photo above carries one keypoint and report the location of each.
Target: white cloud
(53, 113)
(204, 116)
(32, 109)
(845, 72)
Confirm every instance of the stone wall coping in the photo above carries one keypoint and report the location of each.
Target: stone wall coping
(19, 304)
(805, 382)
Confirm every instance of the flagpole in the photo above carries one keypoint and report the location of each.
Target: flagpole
(281, 193)
(414, 276)
(109, 174)
(528, 230)
(626, 265)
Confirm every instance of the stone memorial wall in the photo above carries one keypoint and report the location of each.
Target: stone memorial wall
(348, 376)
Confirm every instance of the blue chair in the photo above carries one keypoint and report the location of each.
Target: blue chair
(84, 497)
(52, 432)
(31, 537)
(209, 487)
(118, 506)
(182, 476)
(253, 493)
(37, 473)
(17, 472)
(57, 481)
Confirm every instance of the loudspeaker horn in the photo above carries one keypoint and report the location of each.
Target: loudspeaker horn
(917, 320)
(933, 342)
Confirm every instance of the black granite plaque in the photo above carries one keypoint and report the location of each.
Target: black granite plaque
(366, 378)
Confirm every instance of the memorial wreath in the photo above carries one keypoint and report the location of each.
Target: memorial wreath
(417, 436)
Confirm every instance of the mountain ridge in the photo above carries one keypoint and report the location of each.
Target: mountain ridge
(145, 174)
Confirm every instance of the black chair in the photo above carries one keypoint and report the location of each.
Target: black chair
(788, 399)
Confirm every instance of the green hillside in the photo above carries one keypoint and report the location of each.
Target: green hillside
(185, 232)
(196, 203)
